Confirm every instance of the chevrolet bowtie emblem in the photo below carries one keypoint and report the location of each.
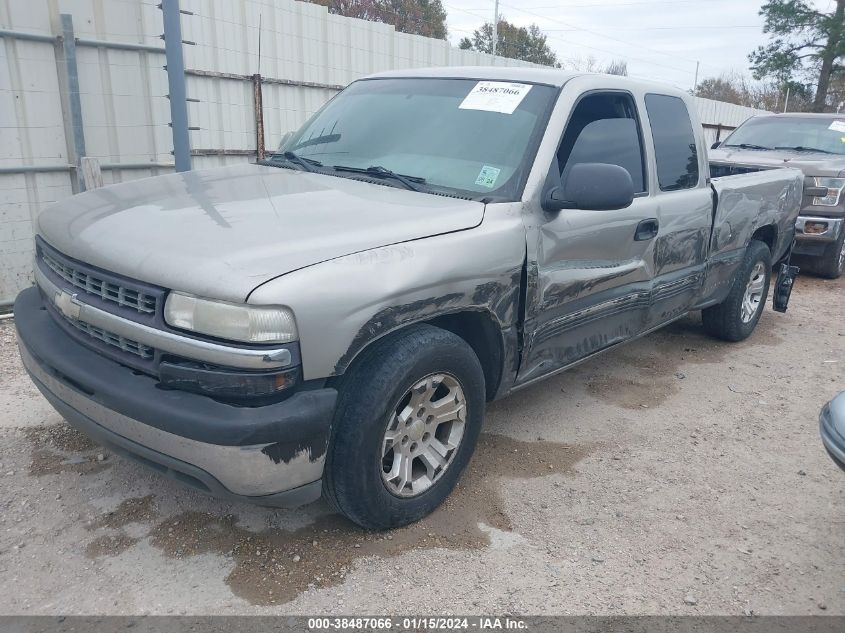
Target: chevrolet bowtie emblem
(67, 304)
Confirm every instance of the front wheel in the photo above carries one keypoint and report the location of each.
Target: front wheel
(736, 317)
(408, 418)
(832, 262)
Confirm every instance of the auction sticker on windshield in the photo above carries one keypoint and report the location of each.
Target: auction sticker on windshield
(495, 96)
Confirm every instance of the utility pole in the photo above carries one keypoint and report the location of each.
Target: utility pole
(495, 25)
(695, 84)
(786, 101)
(176, 83)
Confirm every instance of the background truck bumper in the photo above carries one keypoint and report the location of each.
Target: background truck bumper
(271, 455)
(832, 428)
(815, 243)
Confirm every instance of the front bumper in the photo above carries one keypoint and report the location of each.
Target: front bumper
(272, 455)
(832, 428)
(815, 243)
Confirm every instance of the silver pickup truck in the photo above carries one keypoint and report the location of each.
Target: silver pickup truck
(332, 321)
(815, 144)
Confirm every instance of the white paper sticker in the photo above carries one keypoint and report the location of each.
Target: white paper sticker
(838, 126)
(487, 176)
(495, 96)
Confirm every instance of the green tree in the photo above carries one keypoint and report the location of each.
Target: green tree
(418, 17)
(516, 42)
(805, 44)
(722, 88)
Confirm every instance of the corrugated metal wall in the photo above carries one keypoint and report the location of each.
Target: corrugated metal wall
(302, 44)
(125, 111)
(306, 55)
(715, 114)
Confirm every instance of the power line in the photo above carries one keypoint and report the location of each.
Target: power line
(598, 34)
(570, 43)
(615, 4)
(671, 28)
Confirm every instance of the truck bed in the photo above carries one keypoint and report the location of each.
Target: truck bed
(765, 202)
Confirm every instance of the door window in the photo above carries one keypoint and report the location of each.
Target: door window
(674, 142)
(604, 129)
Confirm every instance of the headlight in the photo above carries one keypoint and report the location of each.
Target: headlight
(834, 190)
(232, 321)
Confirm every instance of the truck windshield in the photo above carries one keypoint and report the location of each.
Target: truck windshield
(824, 135)
(460, 136)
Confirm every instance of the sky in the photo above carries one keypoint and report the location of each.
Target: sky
(660, 39)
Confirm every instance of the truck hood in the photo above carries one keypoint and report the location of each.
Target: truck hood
(220, 233)
(810, 163)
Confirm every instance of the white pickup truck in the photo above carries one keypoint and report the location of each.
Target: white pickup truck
(332, 321)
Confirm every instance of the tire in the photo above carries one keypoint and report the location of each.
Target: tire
(832, 263)
(726, 320)
(370, 393)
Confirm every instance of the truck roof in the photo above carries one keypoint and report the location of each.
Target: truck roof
(551, 76)
(808, 115)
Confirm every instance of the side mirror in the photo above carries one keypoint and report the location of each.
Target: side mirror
(592, 187)
(715, 145)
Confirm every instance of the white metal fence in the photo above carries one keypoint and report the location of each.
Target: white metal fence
(719, 118)
(118, 110)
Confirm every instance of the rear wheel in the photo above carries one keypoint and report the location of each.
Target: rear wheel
(736, 317)
(407, 422)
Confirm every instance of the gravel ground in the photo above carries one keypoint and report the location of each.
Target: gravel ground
(676, 475)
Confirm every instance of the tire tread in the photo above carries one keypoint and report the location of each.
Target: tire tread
(362, 394)
(723, 320)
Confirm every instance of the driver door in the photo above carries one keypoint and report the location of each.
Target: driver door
(593, 268)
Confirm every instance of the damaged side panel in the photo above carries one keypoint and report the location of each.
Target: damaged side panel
(744, 204)
(588, 285)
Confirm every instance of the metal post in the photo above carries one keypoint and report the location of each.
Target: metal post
(695, 84)
(71, 103)
(495, 25)
(92, 173)
(176, 84)
(258, 102)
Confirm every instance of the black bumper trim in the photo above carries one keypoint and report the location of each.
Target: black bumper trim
(173, 468)
(303, 419)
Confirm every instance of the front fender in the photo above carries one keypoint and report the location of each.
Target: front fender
(344, 304)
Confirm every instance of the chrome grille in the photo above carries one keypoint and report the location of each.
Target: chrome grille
(106, 290)
(127, 345)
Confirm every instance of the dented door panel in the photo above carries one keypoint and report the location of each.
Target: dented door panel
(593, 282)
(680, 252)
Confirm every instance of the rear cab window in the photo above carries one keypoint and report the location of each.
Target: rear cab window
(675, 149)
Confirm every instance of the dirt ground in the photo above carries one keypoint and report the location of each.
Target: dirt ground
(676, 475)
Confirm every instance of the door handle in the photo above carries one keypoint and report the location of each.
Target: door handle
(646, 230)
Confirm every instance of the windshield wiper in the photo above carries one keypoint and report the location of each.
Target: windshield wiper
(410, 182)
(747, 146)
(318, 140)
(802, 148)
(307, 164)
